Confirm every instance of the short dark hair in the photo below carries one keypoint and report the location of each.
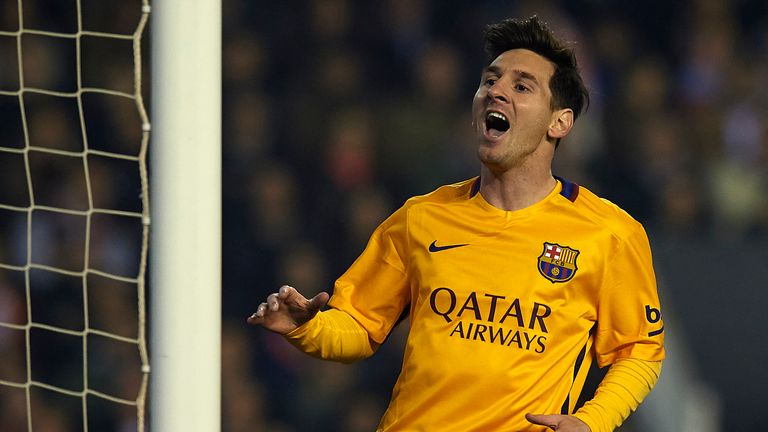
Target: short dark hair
(566, 85)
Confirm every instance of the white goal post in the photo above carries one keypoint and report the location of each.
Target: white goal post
(185, 290)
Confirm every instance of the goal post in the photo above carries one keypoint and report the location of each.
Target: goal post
(185, 290)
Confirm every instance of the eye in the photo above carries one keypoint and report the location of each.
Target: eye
(490, 81)
(522, 88)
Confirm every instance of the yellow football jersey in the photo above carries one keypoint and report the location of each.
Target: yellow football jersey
(507, 308)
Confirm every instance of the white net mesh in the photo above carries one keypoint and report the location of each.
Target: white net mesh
(74, 215)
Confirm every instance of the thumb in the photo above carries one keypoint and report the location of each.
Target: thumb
(550, 420)
(318, 301)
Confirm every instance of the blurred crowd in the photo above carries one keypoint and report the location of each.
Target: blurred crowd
(335, 112)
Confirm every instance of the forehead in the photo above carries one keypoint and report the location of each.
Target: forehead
(523, 60)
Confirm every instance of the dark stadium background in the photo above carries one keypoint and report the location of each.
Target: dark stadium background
(336, 111)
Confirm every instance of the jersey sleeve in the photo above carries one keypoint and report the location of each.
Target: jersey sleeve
(629, 321)
(625, 385)
(332, 335)
(375, 289)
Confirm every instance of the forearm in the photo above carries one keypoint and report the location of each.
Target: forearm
(332, 335)
(624, 386)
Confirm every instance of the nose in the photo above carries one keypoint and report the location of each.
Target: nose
(495, 93)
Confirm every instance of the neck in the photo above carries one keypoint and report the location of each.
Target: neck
(515, 189)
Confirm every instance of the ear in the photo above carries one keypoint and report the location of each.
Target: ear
(561, 124)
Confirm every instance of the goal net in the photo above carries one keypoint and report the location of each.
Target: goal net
(74, 215)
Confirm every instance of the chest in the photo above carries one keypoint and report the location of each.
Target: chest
(522, 272)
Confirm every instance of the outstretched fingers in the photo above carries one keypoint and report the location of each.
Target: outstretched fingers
(549, 421)
(258, 316)
(273, 303)
(286, 309)
(295, 300)
(558, 422)
(318, 301)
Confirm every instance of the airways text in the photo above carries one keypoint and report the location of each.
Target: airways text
(495, 313)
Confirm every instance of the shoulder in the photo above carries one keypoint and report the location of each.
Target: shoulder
(446, 194)
(602, 212)
(442, 196)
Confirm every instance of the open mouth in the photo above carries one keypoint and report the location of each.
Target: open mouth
(496, 123)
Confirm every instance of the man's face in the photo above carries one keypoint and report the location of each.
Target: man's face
(512, 110)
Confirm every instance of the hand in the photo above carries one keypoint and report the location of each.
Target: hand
(559, 423)
(286, 310)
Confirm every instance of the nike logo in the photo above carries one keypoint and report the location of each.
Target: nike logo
(435, 248)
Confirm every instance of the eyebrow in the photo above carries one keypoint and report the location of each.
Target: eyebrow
(519, 73)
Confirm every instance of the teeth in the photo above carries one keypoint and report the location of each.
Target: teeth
(497, 115)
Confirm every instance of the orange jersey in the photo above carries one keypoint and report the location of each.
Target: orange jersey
(507, 308)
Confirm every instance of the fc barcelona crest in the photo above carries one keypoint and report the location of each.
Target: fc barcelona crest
(558, 263)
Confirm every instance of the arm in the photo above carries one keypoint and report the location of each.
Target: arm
(624, 386)
(329, 335)
(629, 328)
(286, 310)
(367, 301)
(333, 335)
